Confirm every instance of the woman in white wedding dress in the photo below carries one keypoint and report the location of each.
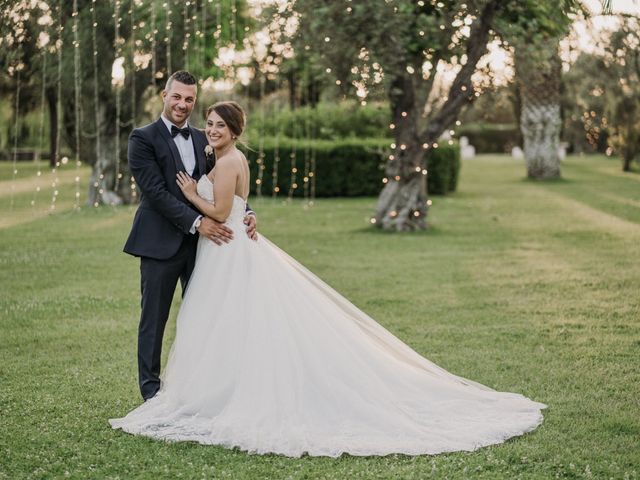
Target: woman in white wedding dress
(270, 359)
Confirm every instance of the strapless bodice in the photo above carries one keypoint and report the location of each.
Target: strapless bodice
(205, 190)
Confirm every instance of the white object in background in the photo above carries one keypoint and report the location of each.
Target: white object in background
(466, 151)
(517, 153)
(562, 150)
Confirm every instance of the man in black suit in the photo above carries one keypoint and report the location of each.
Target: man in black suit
(166, 226)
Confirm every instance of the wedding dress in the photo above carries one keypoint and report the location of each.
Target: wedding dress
(270, 359)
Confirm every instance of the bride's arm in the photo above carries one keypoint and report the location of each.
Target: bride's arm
(223, 191)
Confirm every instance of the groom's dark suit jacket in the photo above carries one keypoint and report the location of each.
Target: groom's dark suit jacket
(164, 215)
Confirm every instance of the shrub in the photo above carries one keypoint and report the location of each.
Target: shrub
(328, 121)
(344, 168)
(491, 138)
(443, 165)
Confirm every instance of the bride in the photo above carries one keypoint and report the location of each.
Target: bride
(270, 359)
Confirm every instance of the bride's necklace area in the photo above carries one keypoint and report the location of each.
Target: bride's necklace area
(225, 151)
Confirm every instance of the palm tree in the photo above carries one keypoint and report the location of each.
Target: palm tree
(538, 72)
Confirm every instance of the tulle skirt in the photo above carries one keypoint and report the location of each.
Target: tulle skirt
(270, 359)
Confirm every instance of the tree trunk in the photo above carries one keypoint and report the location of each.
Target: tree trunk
(402, 204)
(538, 68)
(54, 148)
(293, 85)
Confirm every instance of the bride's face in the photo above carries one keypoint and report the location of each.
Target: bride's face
(218, 134)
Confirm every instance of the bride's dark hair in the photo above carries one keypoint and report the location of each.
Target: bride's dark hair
(232, 114)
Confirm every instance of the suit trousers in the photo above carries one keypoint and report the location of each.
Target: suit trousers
(159, 279)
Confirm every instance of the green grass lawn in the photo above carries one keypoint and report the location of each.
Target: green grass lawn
(523, 286)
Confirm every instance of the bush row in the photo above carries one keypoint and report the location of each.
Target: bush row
(327, 121)
(491, 138)
(344, 168)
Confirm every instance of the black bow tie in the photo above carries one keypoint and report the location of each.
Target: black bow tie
(182, 131)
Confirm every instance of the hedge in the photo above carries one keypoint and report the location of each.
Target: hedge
(344, 168)
(327, 121)
(491, 138)
(443, 165)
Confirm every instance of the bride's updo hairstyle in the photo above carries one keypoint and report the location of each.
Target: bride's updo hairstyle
(232, 114)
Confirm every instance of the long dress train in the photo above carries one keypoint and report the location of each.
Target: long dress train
(270, 359)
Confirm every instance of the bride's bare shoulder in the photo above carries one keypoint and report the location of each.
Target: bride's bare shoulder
(232, 160)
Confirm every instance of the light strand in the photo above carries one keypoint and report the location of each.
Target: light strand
(59, 44)
(16, 130)
(185, 44)
(116, 46)
(293, 156)
(276, 160)
(261, 154)
(41, 129)
(55, 161)
(99, 184)
(167, 36)
(307, 133)
(312, 173)
(133, 63)
(203, 37)
(154, 56)
(77, 85)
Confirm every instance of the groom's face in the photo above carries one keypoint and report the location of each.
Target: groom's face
(179, 100)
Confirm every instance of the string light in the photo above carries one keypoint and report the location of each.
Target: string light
(154, 57)
(14, 170)
(77, 91)
(293, 156)
(185, 42)
(55, 161)
(312, 172)
(261, 154)
(116, 45)
(98, 168)
(41, 129)
(233, 23)
(59, 119)
(203, 29)
(167, 35)
(307, 131)
(132, 61)
(276, 163)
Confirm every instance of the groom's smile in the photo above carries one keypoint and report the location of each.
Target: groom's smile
(179, 100)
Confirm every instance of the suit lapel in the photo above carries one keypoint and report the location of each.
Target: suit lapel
(198, 150)
(164, 133)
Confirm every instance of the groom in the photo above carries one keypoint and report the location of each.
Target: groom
(166, 226)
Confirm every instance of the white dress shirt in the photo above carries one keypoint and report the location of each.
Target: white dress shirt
(185, 146)
(187, 154)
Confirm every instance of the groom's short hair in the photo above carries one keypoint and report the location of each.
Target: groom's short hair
(181, 76)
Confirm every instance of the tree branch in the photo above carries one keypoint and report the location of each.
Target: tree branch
(476, 48)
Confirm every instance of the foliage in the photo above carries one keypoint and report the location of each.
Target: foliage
(518, 285)
(152, 42)
(344, 168)
(603, 92)
(621, 62)
(399, 47)
(584, 103)
(490, 138)
(496, 105)
(327, 121)
(443, 165)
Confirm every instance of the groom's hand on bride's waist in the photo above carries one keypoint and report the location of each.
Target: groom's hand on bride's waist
(251, 222)
(215, 231)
